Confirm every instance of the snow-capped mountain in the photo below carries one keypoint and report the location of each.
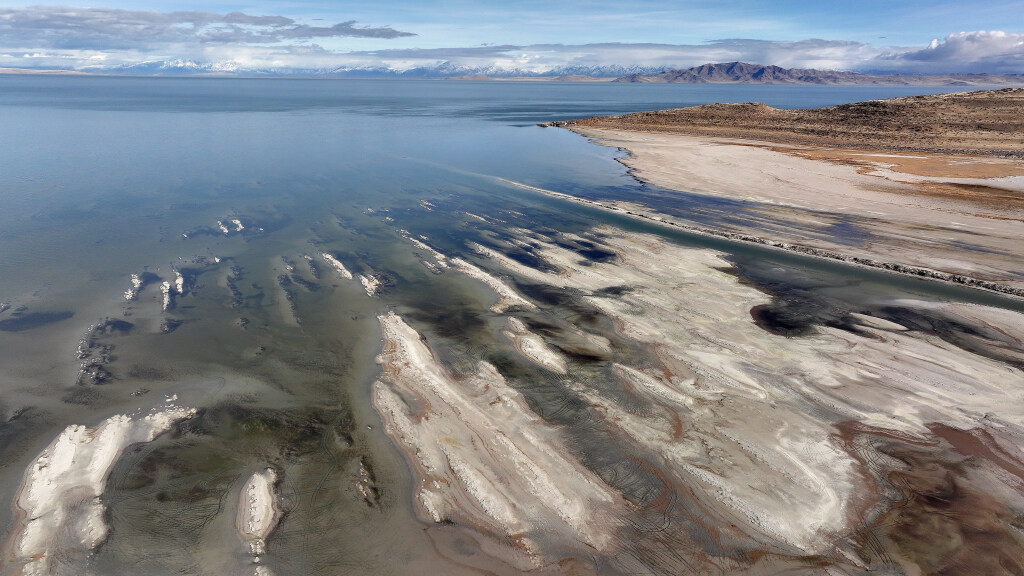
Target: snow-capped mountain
(446, 69)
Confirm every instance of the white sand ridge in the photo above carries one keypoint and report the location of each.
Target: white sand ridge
(337, 265)
(534, 348)
(61, 514)
(259, 511)
(483, 459)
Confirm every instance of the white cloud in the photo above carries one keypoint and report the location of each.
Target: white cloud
(540, 58)
(980, 51)
(99, 38)
(57, 27)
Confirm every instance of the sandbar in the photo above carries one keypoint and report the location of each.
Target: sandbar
(61, 513)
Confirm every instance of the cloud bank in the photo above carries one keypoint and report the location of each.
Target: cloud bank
(101, 39)
(986, 51)
(55, 27)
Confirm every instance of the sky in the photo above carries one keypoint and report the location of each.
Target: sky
(911, 36)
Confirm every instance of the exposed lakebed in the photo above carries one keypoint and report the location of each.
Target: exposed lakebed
(330, 340)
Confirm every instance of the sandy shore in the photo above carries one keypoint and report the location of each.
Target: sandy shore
(948, 201)
(959, 226)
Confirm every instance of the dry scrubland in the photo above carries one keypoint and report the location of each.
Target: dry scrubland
(983, 122)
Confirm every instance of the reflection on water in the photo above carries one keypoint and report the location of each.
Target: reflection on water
(171, 245)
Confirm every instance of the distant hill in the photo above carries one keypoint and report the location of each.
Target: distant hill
(448, 70)
(723, 73)
(744, 73)
(987, 122)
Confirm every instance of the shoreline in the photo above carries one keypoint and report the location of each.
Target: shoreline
(924, 186)
(893, 267)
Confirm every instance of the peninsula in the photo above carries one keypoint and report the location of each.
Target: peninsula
(931, 185)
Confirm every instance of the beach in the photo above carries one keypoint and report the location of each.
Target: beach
(946, 199)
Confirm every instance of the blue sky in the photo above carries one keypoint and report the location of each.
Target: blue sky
(535, 35)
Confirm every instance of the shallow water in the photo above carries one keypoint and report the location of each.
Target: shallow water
(102, 178)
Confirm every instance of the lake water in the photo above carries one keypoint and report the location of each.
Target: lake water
(103, 178)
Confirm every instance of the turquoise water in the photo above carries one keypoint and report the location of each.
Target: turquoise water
(102, 178)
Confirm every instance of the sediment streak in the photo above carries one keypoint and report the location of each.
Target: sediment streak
(482, 458)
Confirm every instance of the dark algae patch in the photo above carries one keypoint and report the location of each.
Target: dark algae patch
(32, 320)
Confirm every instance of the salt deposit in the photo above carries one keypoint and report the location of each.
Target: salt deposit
(533, 347)
(133, 292)
(370, 284)
(440, 260)
(482, 458)
(179, 283)
(165, 290)
(259, 511)
(337, 265)
(750, 440)
(507, 297)
(60, 511)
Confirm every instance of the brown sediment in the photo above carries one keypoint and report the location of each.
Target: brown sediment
(952, 513)
(920, 164)
(979, 442)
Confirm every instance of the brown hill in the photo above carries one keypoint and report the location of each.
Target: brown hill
(744, 73)
(983, 122)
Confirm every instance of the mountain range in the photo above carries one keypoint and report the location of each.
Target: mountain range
(179, 67)
(720, 73)
(744, 73)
